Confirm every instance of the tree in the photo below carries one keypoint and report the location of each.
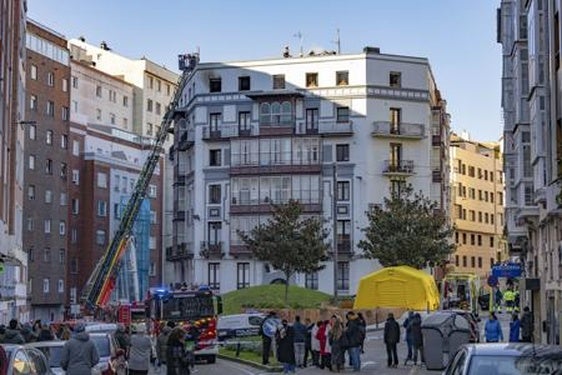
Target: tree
(408, 230)
(289, 242)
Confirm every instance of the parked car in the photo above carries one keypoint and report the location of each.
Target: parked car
(473, 320)
(25, 360)
(101, 327)
(239, 325)
(52, 351)
(105, 343)
(506, 359)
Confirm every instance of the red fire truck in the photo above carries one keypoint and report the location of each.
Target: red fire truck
(195, 309)
(128, 313)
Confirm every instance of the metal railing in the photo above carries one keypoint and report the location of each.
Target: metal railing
(398, 166)
(242, 199)
(254, 159)
(403, 129)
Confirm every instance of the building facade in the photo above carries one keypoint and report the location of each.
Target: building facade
(529, 32)
(261, 132)
(13, 260)
(477, 181)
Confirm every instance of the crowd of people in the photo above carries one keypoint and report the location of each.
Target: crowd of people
(325, 342)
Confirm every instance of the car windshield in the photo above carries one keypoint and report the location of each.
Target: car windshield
(53, 354)
(513, 365)
(102, 344)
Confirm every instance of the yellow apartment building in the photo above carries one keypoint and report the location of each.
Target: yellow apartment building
(478, 204)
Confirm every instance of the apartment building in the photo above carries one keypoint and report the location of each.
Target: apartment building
(46, 169)
(259, 132)
(529, 32)
(477, 181)
(13, 260)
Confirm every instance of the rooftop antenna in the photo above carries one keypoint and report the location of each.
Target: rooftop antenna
(299, 35)
(338, 41)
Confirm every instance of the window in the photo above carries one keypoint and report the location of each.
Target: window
(64, 141)
(45, 285)
(49, 137)
(102, 208)
(479, 262)
(311, 281)
(48, 196)
(63, 198)
(32, 131)
(31, 164)
(342, 78)
(464, 263)
(75, 206)
(149, 104)
(74, 266)
(33, 72)
(33, 102)
(60, 286)
(343, 276)
(214, 276)
(242, 275)
(112, 96)
(63, 170)
(214, 194)
(395, 79)
(102, 180)
(62, 228)
(50, 79)
(342, 152)
(311, 79)
(342, 114)
(215, 85)
(125, 101)
(98, 114)
(50, 108)
(100, 237)
(61, 256)
(75, 82)
(472, 262)
(31, 192)
(244, 122)
(64, 85)
(48, 166)
(244, 83)
(343, 190)
(76, 177)
(47, 225)
(395, 114)
(158, 85)
(149, 128)
(112, 118)
(158, 108)
(491, 241)
(152, 190)
(75, 148)
(151, 82)
(74, 235)
(215, 158)
(278, 81)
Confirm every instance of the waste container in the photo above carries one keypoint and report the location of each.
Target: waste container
(443, 332)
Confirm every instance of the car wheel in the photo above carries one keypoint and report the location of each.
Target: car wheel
(211, 359)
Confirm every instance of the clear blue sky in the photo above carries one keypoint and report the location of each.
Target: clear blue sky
(457, 36)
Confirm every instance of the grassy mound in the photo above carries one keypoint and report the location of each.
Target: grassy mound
(272, 297)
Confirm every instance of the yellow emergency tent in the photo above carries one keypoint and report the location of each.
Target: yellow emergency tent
(401, 286)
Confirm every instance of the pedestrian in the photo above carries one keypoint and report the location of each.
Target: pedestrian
(139, 351)
(338, 343)
(285, 340)
(325, 348)
(45, 334)
(391, 340)
(527, 325)
(122, 338)
(417, 339)
(300, 332)
(498, 299)
(162, 345)
(66, 333)
(363, 325)
(493, 329)
(79, 354)
(315, 344)
(308, 342)
(175, 356)
(354, 333)
(408, 328)
(12, 334)
(267, 333)
(514, 328)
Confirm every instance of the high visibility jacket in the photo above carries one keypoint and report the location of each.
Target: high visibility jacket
(509, 295)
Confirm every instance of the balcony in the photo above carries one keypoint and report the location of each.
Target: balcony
(275, 163)
(251, 208)
(326, 128)
(224, 133)
(178, 252)
(398, 168)
(186, 141)
(436, 140)
(240, 252)
(436, 175)
(211, 250)
(403, 130)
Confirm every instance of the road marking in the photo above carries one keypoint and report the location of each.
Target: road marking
(368, 363)
(232, 364)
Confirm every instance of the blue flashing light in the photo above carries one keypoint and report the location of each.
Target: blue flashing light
(204, 288)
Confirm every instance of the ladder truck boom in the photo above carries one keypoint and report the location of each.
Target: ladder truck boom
(100, 284)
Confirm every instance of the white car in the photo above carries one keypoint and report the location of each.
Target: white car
(239, 325)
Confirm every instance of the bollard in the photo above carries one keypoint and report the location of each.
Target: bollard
(238, 349)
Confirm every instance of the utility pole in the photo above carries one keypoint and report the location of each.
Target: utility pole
(335, 226)
(338, 41)
(300, 36)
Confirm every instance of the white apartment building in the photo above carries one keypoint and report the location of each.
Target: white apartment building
(529, 32)
(254, 133)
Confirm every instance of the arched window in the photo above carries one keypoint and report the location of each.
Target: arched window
(286, 113)
(265, 113)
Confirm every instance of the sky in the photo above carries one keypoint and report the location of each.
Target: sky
(457, 36)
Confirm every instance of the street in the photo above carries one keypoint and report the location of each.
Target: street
(373, 361)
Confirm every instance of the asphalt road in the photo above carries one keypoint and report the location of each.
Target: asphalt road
(373, 361)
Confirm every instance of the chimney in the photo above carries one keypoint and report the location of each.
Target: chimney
(368, 50)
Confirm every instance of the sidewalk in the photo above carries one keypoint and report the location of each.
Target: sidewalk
(400, 320)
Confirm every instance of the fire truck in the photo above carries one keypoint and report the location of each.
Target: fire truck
(194, 309)
(97, 292)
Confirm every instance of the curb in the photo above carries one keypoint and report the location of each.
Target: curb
(250, 363)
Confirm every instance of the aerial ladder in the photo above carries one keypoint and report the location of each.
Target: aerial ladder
(101, 283)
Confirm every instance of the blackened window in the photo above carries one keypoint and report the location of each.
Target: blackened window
(342, 114)
(244, 83)
(311, 79)
(278, 81)
(215, 85)
(395, 79)
(342, 78)
(214, 158)
(214, 194)
(342, 152)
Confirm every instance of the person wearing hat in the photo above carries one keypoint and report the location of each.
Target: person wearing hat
(140, 350)
(79, 354)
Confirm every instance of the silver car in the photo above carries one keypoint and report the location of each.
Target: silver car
(25, 360)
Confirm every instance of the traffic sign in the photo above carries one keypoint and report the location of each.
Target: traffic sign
(492, 281)
(507, 270)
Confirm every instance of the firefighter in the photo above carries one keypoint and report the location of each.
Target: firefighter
(516, 302)
(509, 297)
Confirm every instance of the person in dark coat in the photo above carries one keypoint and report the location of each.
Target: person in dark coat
(12, 334)
(175, 355)
(267, 333)
(285, 338)
(408, 327)
(527, 325)
(363, 326)
(308, 342)
(79, 354)
(514, 328)
(417, 338)
(391, 339)
(45, 334)
(354, 334)
(300, 331)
